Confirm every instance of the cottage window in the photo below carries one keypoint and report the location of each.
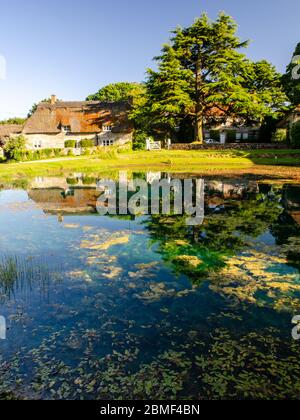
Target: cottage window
(107, 128)
(37, 144)
(66, 129)
(107, 143)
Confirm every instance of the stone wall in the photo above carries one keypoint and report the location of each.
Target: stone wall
(230, 146)
(45, 141)
(57, 141)
(118, 138)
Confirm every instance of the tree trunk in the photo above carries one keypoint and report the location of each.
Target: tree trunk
(199, 105)
(199, 128)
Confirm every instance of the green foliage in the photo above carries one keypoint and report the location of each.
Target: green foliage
(86, 152)
(70, 144)
(139, 140)
(202, 70)
(18, 121)
(34, 107)
(72, 181)
(295, 133)
(280, 135)
(264, 84)
(14, 148)
(226, 365)
(57, 152)
(215, 135)
(123, 91)
(221, 235)
(231, 136)
(86, 143)
(268, 129)
(88, 180)
(40, 154)
(292, 83)
(16, 272)
(108, 153)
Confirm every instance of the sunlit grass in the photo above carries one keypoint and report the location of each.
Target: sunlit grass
(176, 161)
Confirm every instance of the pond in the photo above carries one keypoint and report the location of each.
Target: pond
(139, 306)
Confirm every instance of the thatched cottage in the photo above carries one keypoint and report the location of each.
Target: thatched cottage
(9, 130)
(54, 123)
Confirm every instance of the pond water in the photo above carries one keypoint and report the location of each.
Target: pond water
(149, 307)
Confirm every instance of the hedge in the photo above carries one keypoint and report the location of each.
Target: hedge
(87, 143)
(70, 144)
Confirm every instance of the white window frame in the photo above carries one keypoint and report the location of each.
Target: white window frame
(107, 128)
(37, 144)
(66, 129)
(108, 142)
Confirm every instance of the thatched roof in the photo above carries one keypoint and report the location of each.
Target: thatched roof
(10, 129)
(55, 201)
(82, 117)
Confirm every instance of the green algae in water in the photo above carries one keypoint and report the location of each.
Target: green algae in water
(148, 307)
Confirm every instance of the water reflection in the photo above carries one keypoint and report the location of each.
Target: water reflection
(149, 306)
(19, 275)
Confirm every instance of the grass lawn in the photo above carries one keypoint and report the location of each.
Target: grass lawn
(201, 161)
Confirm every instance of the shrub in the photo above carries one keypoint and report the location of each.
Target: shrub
(108, 153)
(88, 180)
(87, 143)
(280, 135)
(267, 129)
(15, 148)
(139, 140)
(58, 152)
(70, 144)
(86, 152)
(215, 135)
(72, 181)
(16, 152)
(231, 136)
(48, 153)
(295, 133)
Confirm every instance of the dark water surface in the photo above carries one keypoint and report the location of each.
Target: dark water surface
(149, 307)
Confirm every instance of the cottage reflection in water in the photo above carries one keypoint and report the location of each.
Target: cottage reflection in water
(78, 195)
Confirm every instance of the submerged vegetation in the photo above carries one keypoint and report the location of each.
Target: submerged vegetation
(251, 366)
(19, 273)
(148, 307)
(227, 229)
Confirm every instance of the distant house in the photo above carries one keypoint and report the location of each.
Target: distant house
(7, 131)
(106, 123)
(218, 126)
(290, 119)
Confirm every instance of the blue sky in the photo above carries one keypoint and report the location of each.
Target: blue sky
(73, 47)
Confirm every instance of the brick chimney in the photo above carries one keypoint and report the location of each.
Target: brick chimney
(53, 99)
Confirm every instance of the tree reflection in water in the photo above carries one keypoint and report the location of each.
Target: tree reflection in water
(229, 227)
